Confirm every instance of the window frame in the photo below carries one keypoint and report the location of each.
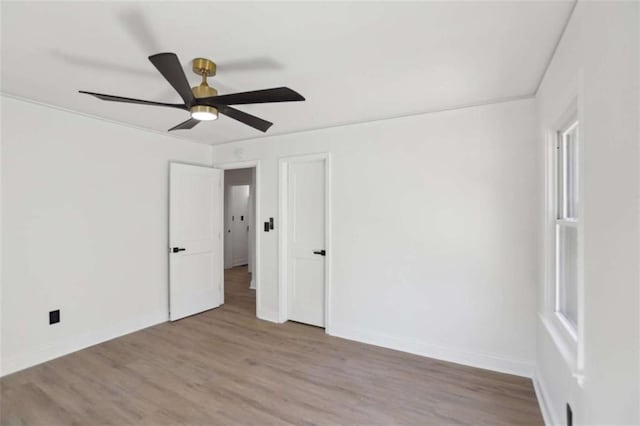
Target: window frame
(568, 339)
(563, 217)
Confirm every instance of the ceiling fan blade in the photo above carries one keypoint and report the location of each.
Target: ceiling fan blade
(279, 94)
(170, 68)
(243, 117)
(131, 100)
(189, 124)
(135, 22)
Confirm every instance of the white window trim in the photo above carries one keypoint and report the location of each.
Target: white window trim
(568, 339)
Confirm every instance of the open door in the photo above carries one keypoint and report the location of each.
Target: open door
(195, 245)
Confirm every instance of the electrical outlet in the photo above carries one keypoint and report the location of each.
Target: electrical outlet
(54, 316)
(569, 415)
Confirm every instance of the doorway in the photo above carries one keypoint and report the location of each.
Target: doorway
(240, 238)
(305, 239)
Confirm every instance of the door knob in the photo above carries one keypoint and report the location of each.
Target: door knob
(177, 249)
(320, 252)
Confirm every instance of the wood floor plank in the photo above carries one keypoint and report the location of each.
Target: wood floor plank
(225, 366)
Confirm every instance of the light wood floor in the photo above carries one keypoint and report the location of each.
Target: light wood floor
(226, 367)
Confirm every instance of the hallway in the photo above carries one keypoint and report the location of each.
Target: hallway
(237, 294)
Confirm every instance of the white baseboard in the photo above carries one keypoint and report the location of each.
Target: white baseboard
(480, 360)
(28, 357)
(542, 395)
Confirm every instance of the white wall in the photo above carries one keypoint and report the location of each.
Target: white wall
(434, 231)
(597, 61)
(85, 209)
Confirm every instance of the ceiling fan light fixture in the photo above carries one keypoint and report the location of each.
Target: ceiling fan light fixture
(204, 113)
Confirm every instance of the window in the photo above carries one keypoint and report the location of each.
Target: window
(566, 226)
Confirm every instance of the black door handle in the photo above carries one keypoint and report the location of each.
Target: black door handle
(177, 249)
(320, 252)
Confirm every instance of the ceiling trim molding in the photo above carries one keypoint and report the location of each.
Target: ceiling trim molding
(355, 123)
(555, 48)
(97, 117)
(313, 129)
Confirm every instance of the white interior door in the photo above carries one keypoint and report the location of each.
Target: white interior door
(195, 225)
(306, 241)
(239, 200)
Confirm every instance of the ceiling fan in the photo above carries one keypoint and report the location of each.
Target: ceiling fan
(203, 101)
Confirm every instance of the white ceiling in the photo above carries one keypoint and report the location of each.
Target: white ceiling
(353, 62)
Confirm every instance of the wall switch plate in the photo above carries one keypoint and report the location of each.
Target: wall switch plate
(54, 316)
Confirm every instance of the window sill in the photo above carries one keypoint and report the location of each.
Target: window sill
(565, 342)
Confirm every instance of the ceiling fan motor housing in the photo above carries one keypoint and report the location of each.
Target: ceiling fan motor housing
(204, 91)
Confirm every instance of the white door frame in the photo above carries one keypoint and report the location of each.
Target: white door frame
(282, 234)
(253, 164)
